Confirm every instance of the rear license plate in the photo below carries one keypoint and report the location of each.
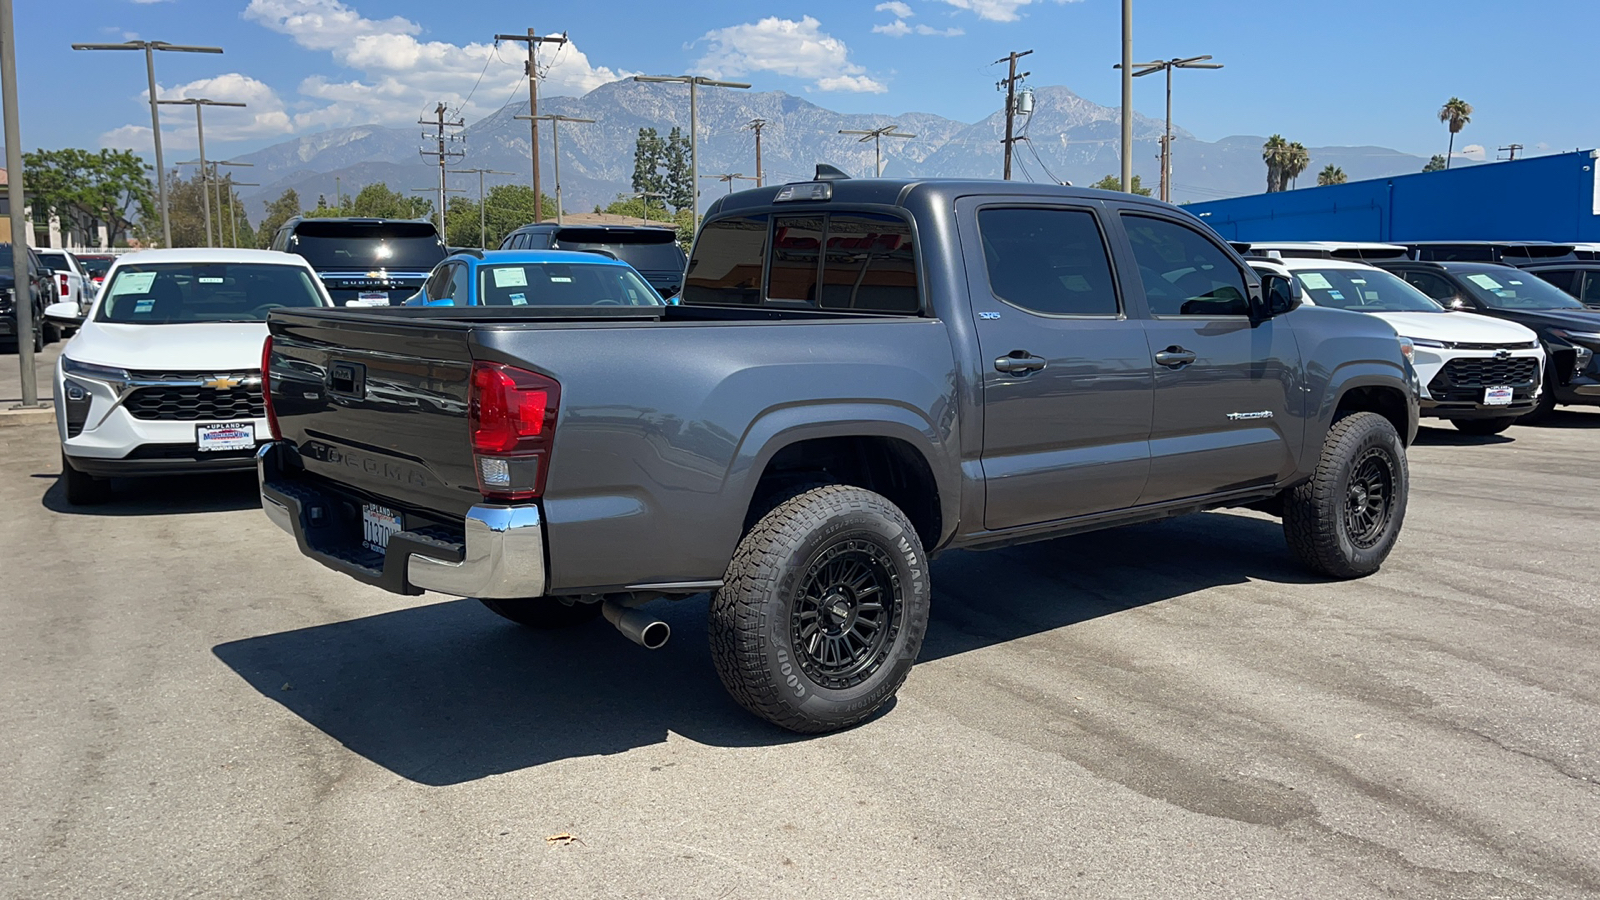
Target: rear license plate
(231, 436)
(370, 298)
(1497, 396)
(377, 524)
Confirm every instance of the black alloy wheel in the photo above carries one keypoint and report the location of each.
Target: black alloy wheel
(1369, 499)
(847, 614)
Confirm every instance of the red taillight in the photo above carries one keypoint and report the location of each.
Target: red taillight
(66, 287)
(266, 390)
(511, 414)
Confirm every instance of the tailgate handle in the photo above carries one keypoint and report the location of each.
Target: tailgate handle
(347, 378)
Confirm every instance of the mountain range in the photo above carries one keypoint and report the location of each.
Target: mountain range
(1068, 138)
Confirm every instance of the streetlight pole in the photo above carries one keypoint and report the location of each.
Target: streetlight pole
(149, 48)
(555, 150)
(1127, 96)
(875, 136)
(209, 176)
(233, 204)
(693, 81)
(1167, 65)
(22, 288)
(200, 132)
(483, 222)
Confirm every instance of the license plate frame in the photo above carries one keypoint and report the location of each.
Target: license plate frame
(1498, 395)
(378, 524)
(217, 437)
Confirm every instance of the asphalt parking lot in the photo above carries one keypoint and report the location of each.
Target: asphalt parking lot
(190, 708)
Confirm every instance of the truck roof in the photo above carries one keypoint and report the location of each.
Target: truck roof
(896, 192)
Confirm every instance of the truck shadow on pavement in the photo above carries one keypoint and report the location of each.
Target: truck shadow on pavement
(162, 495)
(449, 693)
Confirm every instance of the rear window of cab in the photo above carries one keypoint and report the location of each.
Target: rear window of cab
(834, 260)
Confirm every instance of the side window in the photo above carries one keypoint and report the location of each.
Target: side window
(509, 242)
(1048, 261)
(1184, 273)
(1561, 278)
(1433, 285)
(1590, 294)
(726, 268)
(796, 242)
(460, 288)
(870, 265)
(437, 286)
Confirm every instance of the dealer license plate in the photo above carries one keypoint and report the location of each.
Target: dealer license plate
(1497, 396)
(370, 298)
(377, 524)
(230, 436)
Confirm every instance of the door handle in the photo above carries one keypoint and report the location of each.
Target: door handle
(1175, 357)
(1020, 362)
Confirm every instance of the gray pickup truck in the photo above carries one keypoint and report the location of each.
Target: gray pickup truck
(863, 373)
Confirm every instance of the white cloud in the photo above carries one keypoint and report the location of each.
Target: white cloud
(1474, 152)
(997, 10)
(939, 32)
(263, 116)
(800, 49)
(900, 28)
(900, 10)
(400, 75)
(897, 28)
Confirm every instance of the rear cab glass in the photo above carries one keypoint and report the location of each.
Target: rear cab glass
(842, 260)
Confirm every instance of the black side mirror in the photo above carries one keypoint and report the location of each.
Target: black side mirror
(1279, 294)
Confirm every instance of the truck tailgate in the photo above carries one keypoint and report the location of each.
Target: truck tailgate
(378, 406)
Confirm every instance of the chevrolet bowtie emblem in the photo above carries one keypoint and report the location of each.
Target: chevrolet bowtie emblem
(222, 383)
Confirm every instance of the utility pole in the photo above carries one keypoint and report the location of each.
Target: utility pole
(483, 228)
(876, 136)
(338, 194)
(200, 133)
(1167, 65)
(729, 178)
(444, 156)
(693, 81)
(155, 116)
(1512, 148)
(1009, 85)
(533, 40)
(555, 150)
(22, 288)
(209, 176)
(645, 196)
(756, 125)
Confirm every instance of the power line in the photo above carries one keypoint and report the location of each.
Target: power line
(444, 155)
(533, 40)
(1009, 85)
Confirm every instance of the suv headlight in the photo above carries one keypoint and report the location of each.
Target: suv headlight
(117, 379)
(1408, 349)
(1589, 338)
(1428, 342)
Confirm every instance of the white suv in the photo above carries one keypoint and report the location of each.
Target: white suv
(1480, 373)
(164, 375)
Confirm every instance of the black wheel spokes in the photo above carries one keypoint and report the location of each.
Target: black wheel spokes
(845, 616)
(1368, 503)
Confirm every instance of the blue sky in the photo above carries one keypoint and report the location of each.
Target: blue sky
(1353, 72)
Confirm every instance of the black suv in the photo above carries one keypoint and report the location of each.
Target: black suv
(365, 262)
(1569, 331)
(652, 251)
(40, 290)
(1506, 253)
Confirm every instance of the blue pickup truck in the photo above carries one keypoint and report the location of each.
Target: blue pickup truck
(862, 373)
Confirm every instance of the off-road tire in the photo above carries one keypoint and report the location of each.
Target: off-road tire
(1547, 400)
(779, 577)
(1485, 427)
(1317, 515)
(544, 612)
(83, 489)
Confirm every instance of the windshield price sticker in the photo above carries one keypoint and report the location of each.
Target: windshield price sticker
(134, 283)
(1484, 281)
(509, 277)
(1315, 281)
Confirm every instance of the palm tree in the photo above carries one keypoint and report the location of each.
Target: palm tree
(1299, 159)
(1456, 113)
(1331, 174)
(1274, 154)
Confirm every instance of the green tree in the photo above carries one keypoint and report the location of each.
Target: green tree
(1296, 163)
(1436, 164)
(113, 184)
(679, 182)
(1114, 183)
(1455, 113)
(1331, 174)
(279, 211)
(1275, 152)
(648, 157)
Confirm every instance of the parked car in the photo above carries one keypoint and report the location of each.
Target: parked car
(39, 291)
(653, 251)
(1479, 373)
(1580, 279)
(534, 278)
(165, 374)
(73, 283)
(96, 265)
(966, 365)
(365, 262)
(1569, 331)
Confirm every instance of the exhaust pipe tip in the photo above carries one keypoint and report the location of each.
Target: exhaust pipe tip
(640, 627)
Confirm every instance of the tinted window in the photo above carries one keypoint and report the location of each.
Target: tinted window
(1362, 290)
(1502, 287)
(460, 288)
(96, 265)
(870, 265)
(726, 268)
(1184, 274)
(562, 284)
(1050, 261)
(1435, 286)
(438, 284)
(796, 241)
(1561, 279)
(162, 293)
(363, 246)
(1591, 289)
(653, 250)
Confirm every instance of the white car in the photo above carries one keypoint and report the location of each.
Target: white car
(73, 283)
(1480, 373)
(164, 375)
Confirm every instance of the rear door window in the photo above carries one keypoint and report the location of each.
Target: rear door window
(1048, 261)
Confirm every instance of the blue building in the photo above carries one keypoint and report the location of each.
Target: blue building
(1542, 198)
